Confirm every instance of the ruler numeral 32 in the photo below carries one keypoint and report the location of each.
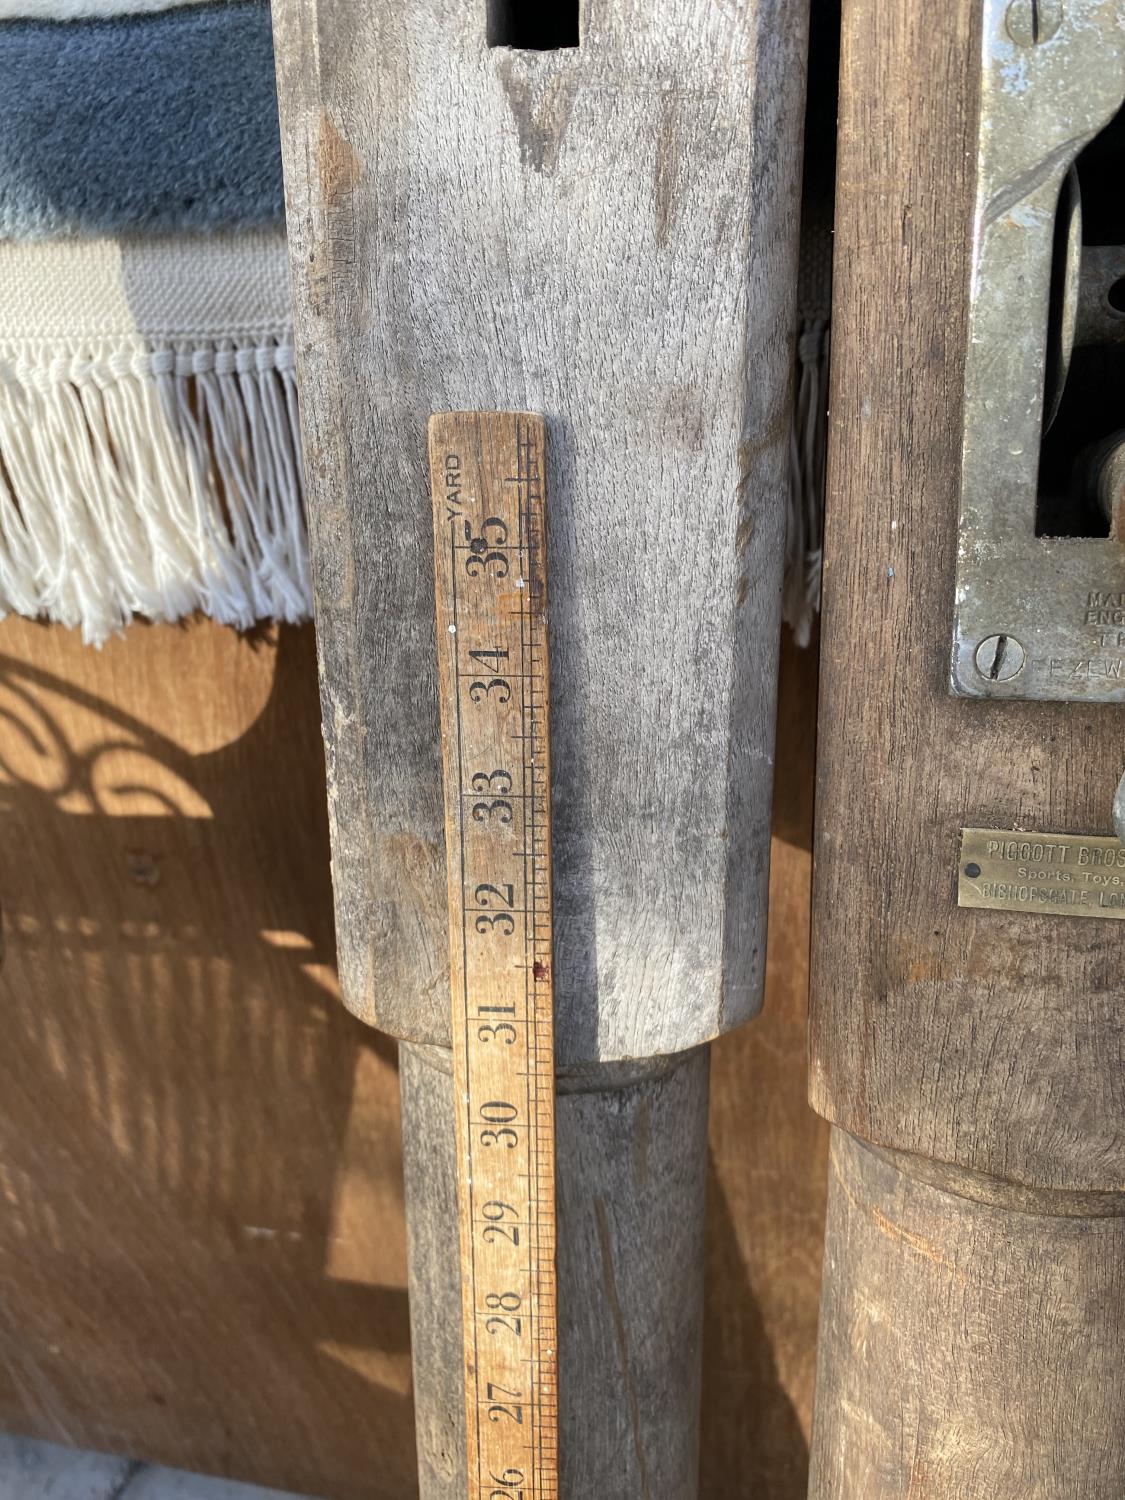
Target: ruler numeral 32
(487, 484)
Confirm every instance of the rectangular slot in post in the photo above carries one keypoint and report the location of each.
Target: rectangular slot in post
(534, 25)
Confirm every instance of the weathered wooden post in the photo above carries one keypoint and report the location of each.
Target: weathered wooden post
(966, 1025)
(593, 219)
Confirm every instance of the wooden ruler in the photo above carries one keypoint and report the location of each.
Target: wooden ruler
(486, 473)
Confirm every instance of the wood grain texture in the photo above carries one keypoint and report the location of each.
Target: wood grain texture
(287, 1359)
(767, 1171)
(764, 1235)
(202, 1257)
(982, 1039)
(632, 1155)
(606, 235)
(967, 1349)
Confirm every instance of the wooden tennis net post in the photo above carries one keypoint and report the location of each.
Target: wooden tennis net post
(597, 226)
(969, 1058)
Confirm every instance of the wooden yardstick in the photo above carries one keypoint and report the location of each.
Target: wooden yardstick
(486, 473)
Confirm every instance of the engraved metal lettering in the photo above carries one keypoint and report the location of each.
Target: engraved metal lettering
(1048, 874)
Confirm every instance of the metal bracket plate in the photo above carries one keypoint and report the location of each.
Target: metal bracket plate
(1034, 617)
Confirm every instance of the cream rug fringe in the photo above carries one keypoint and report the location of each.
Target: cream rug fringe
(150, 458)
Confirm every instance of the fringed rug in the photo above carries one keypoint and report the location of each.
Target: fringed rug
(150, 456)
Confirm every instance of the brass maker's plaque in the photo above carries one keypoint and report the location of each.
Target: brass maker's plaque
(1052, 874)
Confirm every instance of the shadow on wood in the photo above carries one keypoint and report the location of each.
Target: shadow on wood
(202, 1244)
(200, 1249)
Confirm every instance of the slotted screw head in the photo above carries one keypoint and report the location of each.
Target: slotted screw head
(999, 658)
(1033, 21)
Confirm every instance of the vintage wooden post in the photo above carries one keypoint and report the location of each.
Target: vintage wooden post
(969, 1055)
(592, 218)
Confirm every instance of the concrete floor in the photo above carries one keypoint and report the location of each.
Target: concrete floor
(45, 1471)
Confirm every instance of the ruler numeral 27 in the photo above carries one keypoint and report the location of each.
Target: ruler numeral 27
(486, 473)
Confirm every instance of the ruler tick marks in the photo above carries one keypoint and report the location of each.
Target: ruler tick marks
(491, 593)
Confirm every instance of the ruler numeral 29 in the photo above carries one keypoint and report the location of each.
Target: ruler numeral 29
(486, 478)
